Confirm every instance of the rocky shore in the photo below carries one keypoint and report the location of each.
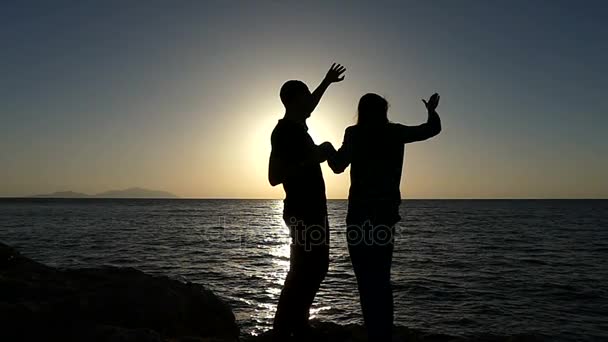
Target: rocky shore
(41, 303)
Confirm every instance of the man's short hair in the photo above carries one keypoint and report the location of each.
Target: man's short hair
(291, 90)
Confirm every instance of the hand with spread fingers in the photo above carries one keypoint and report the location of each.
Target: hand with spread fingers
(334, 73)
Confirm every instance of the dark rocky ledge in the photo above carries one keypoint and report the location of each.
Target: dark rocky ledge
(41, 303)
(332, 332)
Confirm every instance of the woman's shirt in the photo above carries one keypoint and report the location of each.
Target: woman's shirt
(375, 155)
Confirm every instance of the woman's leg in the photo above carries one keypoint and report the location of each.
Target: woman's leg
(371, 257)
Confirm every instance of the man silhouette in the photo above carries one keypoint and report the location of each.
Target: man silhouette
(295, 162)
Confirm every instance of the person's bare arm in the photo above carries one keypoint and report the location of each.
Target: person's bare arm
(339, 161)
(324, 152)
(279, 169)
(333, 75)
(427, 130)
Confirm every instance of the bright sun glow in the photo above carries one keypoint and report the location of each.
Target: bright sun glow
(255, 147)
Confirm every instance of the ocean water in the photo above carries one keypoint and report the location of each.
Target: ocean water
(463, 267)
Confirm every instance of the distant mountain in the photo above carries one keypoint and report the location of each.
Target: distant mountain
(64, 194)
(135, 193)
(126, 193)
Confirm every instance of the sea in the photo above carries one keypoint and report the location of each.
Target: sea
(460, 267)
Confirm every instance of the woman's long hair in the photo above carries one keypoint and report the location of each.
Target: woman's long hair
(372, 110)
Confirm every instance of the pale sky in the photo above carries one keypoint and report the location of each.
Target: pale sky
(182, 96)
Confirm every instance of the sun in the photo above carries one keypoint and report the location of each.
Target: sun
(254, 147)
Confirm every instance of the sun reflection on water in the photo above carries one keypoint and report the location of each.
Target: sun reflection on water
(280, 253)
(314, 311)
(279, 238)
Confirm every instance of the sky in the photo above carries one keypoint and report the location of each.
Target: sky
(182, 96)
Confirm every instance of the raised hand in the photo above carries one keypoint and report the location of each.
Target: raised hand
(432, 103)
(333, 75)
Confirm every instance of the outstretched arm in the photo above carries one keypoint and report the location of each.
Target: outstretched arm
(332, 76)
(339, 161)
(427, 130)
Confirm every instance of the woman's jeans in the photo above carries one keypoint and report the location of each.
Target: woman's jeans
(371, 251)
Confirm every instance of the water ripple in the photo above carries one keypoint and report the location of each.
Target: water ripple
(460, 267)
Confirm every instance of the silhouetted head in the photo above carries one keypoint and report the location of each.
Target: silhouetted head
(297, 99)
(372, 110)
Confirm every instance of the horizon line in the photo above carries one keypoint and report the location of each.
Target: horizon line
(329, 199)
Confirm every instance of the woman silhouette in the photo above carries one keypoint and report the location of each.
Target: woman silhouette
(374, 148)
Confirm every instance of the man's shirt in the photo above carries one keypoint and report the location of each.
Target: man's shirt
(295, 150)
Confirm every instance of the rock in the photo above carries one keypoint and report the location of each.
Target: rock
(331, 332)
(38, 302)
(105, 333)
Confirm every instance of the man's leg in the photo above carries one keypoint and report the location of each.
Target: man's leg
(316, 256)
(288, 300)
(309, 261)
